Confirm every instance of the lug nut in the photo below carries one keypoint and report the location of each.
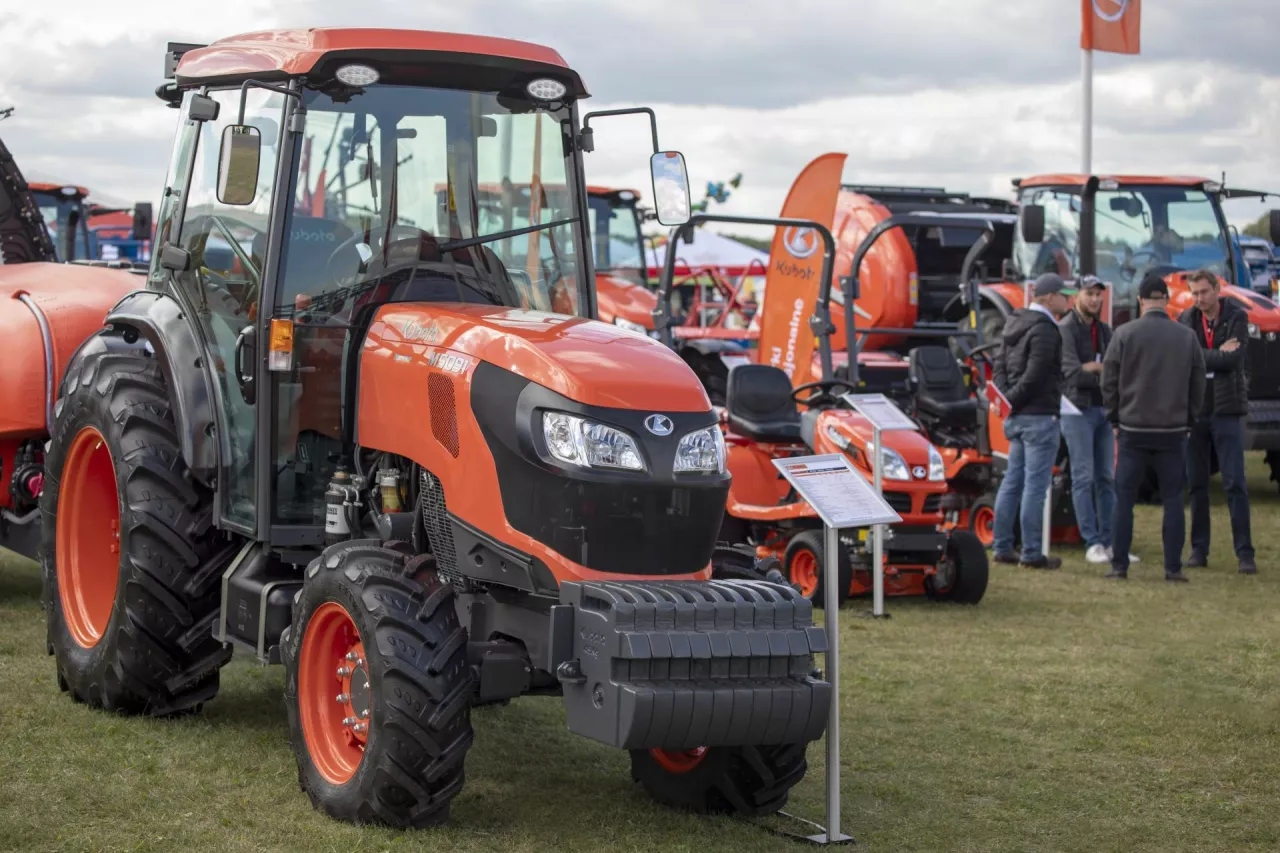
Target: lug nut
(352, 656)
(360, 662)
(360, 727)
(344, 671)
(342, 698)
(364, 715)
(346, 721)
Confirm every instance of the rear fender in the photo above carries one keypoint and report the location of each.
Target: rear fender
(160, 320)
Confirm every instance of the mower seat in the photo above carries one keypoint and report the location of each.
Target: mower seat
(759, 405)
(941, 391)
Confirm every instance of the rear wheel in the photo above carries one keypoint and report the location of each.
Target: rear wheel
(804, 565)
(378, 688)
(131, 561)
(742, 780)
(962, 574)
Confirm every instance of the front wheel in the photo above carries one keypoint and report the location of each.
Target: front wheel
(378, 689)
(742, 780)
(804, 564)
(962, 574)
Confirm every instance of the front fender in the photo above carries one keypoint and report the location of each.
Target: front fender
(159, 319)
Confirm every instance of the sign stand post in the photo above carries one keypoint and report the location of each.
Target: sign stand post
(877, 534)
(843, 498)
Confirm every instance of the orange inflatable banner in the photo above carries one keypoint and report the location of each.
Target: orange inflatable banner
(1110, 25)
(795, 267)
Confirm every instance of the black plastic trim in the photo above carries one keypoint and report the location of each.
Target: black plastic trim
(485, 559)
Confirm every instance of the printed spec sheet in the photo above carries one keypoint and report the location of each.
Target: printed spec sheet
(838, 491)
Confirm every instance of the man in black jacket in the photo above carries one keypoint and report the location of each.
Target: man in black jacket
(1152, 387)
(1221, 329)
(1028, 371)
(1091, 442)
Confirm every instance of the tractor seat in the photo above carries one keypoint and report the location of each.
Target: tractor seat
(941, 391)
(759, 405)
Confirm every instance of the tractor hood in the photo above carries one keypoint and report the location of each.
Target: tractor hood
(626, 300)
(591, 362)
(23, 235)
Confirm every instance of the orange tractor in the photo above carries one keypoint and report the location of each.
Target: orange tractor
(345, 441)
(763, 421)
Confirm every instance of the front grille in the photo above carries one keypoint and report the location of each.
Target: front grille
(435, 519)
(932, 503)
(900, 502)
(1264, 366)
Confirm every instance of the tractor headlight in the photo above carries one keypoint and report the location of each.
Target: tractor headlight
(936, 469)
(702, 450)
(1254, 331)
(588, 444)
(892, 465)
(630, 326)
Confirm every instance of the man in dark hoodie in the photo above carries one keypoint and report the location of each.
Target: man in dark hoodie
(1028, 371)
(1152, 386)
(1221, 328)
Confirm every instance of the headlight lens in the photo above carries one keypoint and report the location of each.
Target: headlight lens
(588, 444)
(936, 469)
(893, 466)
(1254, 331)
(622, 323)
(701, 451)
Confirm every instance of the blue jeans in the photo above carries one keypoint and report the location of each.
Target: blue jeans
(1226, 435)
(1091, 446)
(1033, 445)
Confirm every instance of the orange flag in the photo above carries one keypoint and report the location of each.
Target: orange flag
(795, 265)
(1110, 25)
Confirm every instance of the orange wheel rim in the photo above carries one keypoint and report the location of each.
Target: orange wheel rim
(984, 524)
(87, 542)
(334, 699)
(679, 761)
(804, 572)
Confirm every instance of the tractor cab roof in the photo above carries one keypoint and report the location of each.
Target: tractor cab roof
(614, 192)
(65, 190)
(1067, 180)
(279, 54)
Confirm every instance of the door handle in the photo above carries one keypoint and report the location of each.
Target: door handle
(246, 343)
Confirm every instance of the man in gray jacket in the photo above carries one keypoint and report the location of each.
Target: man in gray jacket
(1152, 387)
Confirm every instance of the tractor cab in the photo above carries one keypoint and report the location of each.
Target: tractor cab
(65, 214)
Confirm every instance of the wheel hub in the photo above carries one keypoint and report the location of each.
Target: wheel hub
(353, 680)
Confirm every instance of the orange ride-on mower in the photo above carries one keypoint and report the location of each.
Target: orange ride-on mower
(354, 449)
(762, 422)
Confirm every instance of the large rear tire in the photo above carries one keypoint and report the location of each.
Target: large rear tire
(742, 780)
(378, 688)
(131, 560)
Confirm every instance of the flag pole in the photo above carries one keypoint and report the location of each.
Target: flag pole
(1086, 83)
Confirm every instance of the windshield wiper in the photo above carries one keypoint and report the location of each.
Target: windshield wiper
(501, 235)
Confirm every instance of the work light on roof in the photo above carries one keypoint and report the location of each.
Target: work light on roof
(357, 75)
(546, 89)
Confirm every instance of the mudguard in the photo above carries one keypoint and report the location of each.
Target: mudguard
(683, 664)
(159, 319)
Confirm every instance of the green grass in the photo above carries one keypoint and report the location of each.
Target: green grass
(1064, 713)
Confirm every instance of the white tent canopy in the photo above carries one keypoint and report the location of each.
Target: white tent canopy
(710, 249)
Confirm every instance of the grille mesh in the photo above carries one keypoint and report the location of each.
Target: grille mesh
(444, 413)
(899, 501)
(932, 503)
(435, 519)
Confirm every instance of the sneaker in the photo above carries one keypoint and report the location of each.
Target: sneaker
(1041, 563)
(1197, 561)
(1176, 577)
(1111, 555)
(1121, 574)
(1008, 559)
(1248, 566)
(1098, 554)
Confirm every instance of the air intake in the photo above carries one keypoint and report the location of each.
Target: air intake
(444, 412)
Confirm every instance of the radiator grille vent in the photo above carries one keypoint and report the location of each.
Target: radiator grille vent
(435, 519)
(444, 412)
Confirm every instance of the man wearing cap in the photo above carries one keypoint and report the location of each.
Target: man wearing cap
(1028, 370)
(1090, 439)
(1152, 386)
(1221, 329)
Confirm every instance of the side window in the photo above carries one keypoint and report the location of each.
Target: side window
(174, 189)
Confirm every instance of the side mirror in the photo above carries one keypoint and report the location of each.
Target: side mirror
(1275, 227)
(142, 221)
(670, 187)
(238, 164)
(1031, 223)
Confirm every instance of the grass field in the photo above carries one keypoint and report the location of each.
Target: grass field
(1064, 713)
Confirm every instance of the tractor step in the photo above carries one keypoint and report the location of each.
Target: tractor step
(685, 664)
(257, 602)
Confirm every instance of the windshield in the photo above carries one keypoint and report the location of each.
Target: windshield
(615, 236)
(1138, 229)
(436, 195)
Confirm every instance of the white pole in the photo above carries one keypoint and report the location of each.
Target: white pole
(1086, 83)
(877, 536)
(832, 607)
(1048, 516)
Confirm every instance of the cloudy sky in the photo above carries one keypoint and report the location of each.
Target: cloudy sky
(964, 94)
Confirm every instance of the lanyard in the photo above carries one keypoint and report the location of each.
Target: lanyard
(1208, 331)
(1093, 333)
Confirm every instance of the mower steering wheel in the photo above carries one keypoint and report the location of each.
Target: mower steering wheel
(821, 392)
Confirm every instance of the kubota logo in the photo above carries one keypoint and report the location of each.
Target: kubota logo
(800, 242)
(1110, 10)
(659, 424)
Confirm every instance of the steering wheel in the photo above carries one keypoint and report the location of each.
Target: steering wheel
(399, 236)
(821, 392)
